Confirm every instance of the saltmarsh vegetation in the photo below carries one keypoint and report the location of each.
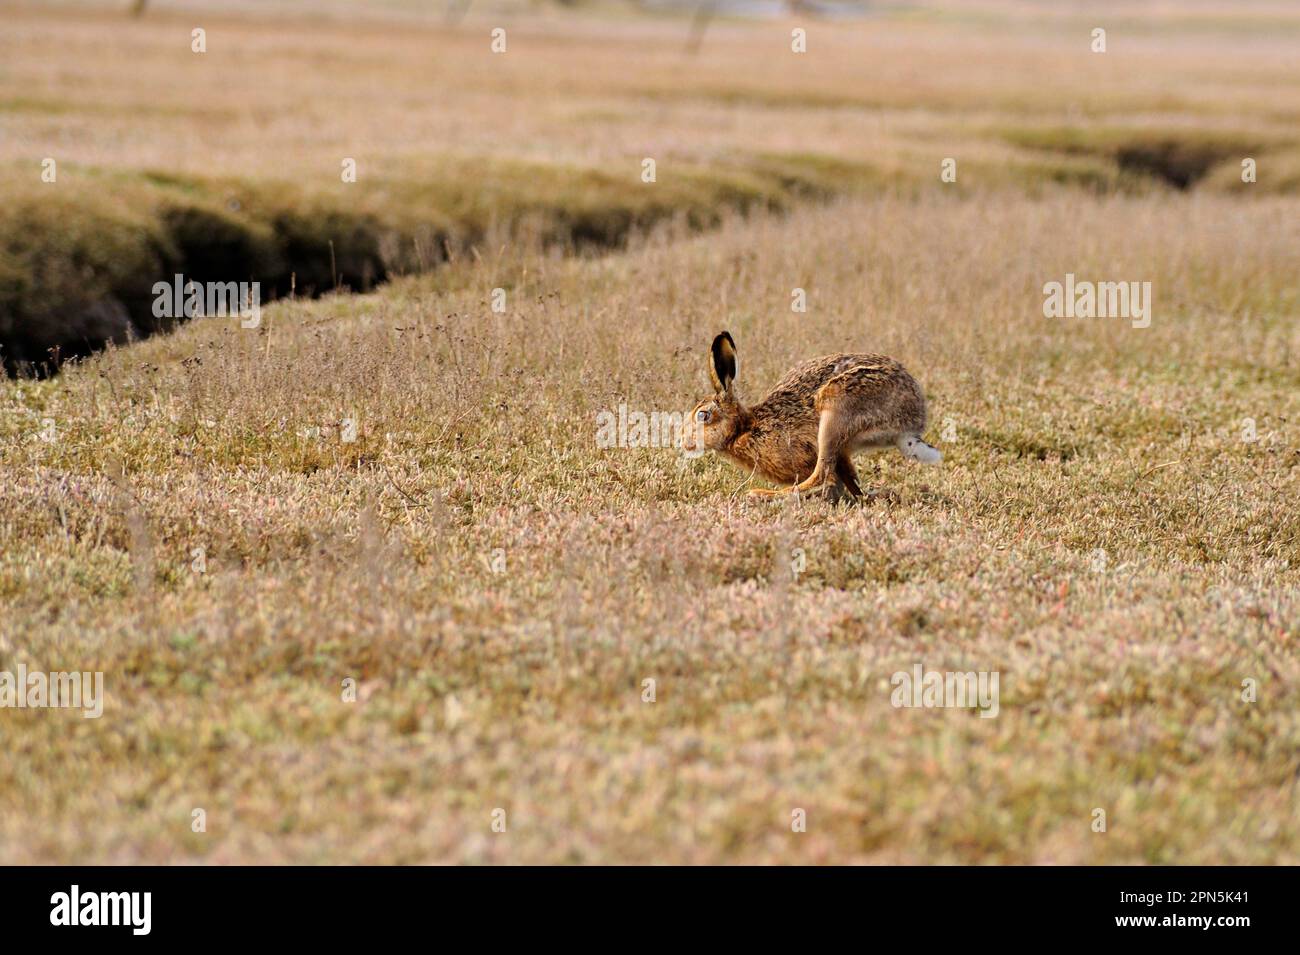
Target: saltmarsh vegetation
(78, 263)
(405, 489)
(1101, 533)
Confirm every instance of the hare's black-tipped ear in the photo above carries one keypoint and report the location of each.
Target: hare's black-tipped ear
(723, 367)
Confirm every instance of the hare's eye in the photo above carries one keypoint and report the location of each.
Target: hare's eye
(701, 415)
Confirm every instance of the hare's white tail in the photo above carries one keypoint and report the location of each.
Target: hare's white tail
(913, 447)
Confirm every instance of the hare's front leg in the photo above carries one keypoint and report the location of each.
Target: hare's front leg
(833, 490)
(828, 473)
(833, 475)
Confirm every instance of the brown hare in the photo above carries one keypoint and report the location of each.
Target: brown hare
(803, 433)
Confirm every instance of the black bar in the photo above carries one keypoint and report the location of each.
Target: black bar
(365, 905)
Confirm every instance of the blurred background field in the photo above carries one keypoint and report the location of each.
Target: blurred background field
(226, 165)
(1107, 531)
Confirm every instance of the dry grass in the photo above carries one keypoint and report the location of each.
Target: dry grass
(1099, 533)
(594, 92)
(326, 560)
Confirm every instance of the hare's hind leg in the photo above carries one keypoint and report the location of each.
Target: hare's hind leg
(847, 474)
(832, 442)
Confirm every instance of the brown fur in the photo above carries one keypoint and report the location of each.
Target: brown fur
(804, 432)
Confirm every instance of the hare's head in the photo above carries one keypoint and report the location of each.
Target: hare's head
(715, 421)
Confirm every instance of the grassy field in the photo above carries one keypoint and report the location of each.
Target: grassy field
(404, 489)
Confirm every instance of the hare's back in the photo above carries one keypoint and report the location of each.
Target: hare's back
(802, 382)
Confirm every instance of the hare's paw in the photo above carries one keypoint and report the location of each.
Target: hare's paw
(832, 492)
(768, 492)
